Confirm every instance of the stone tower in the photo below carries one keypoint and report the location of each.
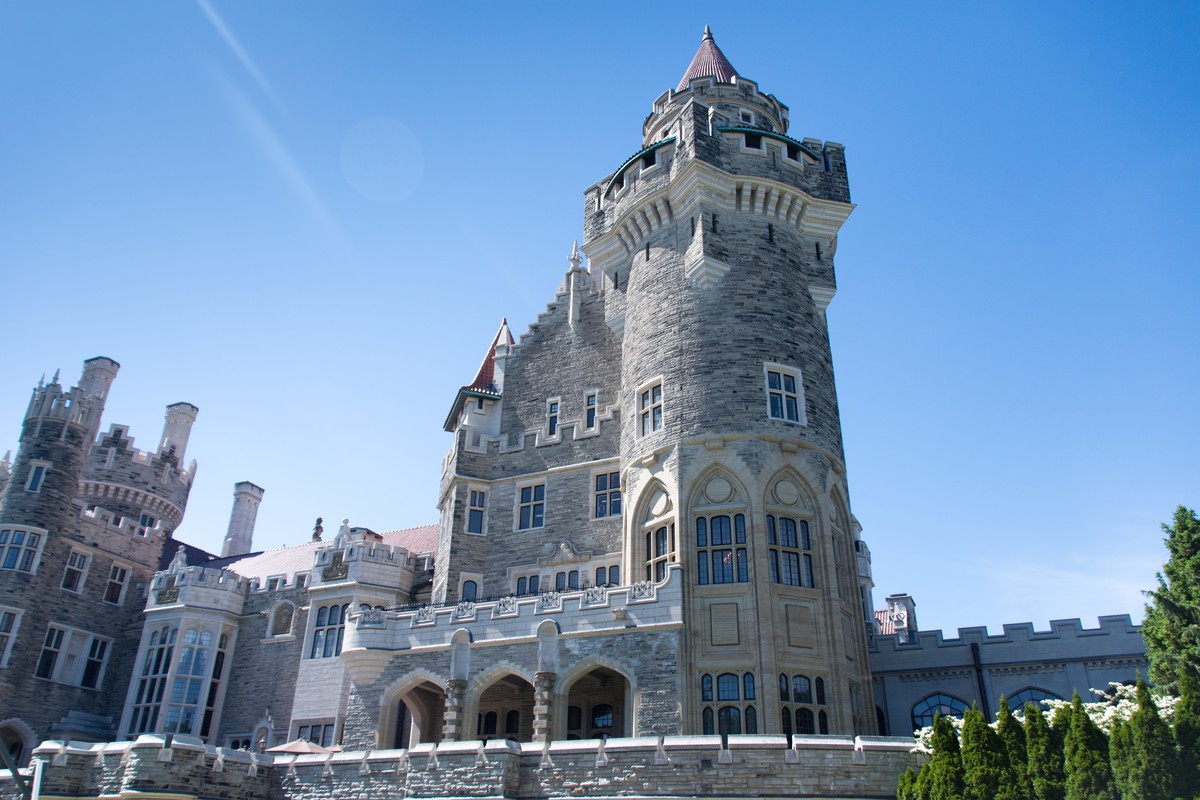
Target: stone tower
(239, 538)
(713, 247)
(82, 523)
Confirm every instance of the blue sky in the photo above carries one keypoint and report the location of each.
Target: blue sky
(309, 218)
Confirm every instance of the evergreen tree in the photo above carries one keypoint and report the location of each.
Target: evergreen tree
(1172, 625)
(906, 787)
(1187, 736)
(1045, 750)
(944, 780)
(1153, 764)
(1121, 756)
(1012, 739)
(985, 766)
(922, 789)
(1086, 749)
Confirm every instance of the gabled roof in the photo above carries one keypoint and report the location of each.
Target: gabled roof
(299, 558)
(709, 61)
(484, 384)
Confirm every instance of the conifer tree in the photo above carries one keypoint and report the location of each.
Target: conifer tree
(1045, 755)
(1152, 762)
(1187, 736)
(1086, 749)
(1172, 625)
(922, 789)
(1121, 756)
(906, 787)
(1012, 739)
(944, 779)
(985, 766)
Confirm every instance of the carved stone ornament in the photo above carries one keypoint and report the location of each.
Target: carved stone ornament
(370, 616)
(167, 595)
(642, 589)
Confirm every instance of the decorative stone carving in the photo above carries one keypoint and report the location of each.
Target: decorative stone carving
(593, 595)
(549, 600)
(506, 605)
(464, 610)
(718, 490)
(370, 617)
(642, 589)
(337, 568)
(786, 493)
(424, 615)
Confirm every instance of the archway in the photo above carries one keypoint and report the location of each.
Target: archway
(506, 710)
(598, 705)
(412, 713)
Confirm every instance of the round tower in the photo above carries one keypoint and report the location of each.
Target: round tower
(714, 245)
(239, 538)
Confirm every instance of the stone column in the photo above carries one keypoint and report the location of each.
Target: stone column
(543, 705)
(452, 719)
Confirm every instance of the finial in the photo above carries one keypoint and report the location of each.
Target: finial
(42, 381)
(575, 259)
(707, 33)
(55, 378)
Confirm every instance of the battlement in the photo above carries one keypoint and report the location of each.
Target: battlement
(73, 406)
(377, 633)
(134, 482)
(672, 766)
(1117, 625)
(113, 521)
(198, 586)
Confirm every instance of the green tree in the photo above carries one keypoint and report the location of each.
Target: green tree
(1045, 750)
(1187, 736)
(1086, 749)
(1153, 763)
(1012, 739)
(906, 787)
(944, 773)
(985, 766)
(1172, 625)
(1121, 756)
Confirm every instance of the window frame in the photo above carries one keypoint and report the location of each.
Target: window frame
(553, 428)
(23, 556)
(36, 479)
(476, 510)
(591, 410)
(74, 567)
(729, 703)
(802, 701)
(124, 583)
(74, 651)
(610, 495)
(708, 549)
(650, 401)
(536, 506)
(778, 553)
(319, 639)
(796, 394)
(9, 636)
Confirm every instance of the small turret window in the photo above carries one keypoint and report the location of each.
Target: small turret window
(37, 474)
(475, 510)
(650, 409)
(785, 394)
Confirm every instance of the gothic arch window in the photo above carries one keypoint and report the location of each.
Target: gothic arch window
(721, 546)
(730, 709)
(791, 558)
(942, 704)
(803, 709)
(658, 536)
(328, 631)
(1030, 694)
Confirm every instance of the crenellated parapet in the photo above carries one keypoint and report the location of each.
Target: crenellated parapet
(134, 482)
(1062, 632)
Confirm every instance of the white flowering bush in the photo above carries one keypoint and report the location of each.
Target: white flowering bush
(1118, 701)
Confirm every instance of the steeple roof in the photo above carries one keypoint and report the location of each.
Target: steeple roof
(484, 384)
(708, 61)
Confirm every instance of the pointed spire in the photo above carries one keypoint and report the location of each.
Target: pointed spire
(709, 61)
(575, 259)
(54, 380)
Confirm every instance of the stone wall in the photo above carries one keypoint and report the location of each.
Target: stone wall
(698, 766)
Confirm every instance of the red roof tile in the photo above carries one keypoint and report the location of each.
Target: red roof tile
(485, 379)
(708, 61)
(884, 619)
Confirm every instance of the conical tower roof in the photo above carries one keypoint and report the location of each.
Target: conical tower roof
(708, 61)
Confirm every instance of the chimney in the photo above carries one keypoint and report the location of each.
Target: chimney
(239, 540)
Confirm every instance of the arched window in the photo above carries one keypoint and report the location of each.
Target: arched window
(659, 531)
(152, 682)
(786, 719)
(783, 687)
(799, 705)
(748, 686)
(1033, 695)
(729, 719)
(281, 620)
(943, 704)
(489, 723)
(804, 722)
(727, 686)
(735, 692)
(822, 722)
(328, 631)
(708, 720)
(602, 716)
(470, 590)
(802, 689)
(706, 687)
(820, 691)
(512, 722)
(790, 551)
(721, 549)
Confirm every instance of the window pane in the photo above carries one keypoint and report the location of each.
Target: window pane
(727, 686)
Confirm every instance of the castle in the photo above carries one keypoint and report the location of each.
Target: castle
(644, 521)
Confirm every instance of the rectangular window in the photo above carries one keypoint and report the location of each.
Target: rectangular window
(19, 549)
(10, 620)
(552, 418)
(530, 585)
(650, 409)
(721, 546)
(146, 523)
(475, 511)
(785, 395)
(37, 474)
(93, 667)
(608, 495)
(790, 563)
(72, 656)
(76, 569)
(589, 403)
(532, 508)
(118, 577)
(317, 734)
(51, 648)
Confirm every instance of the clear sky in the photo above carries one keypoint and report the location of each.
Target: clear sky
(309, 218)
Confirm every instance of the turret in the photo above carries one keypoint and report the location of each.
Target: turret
(177, 428)
(56, 434)
(240, 536)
